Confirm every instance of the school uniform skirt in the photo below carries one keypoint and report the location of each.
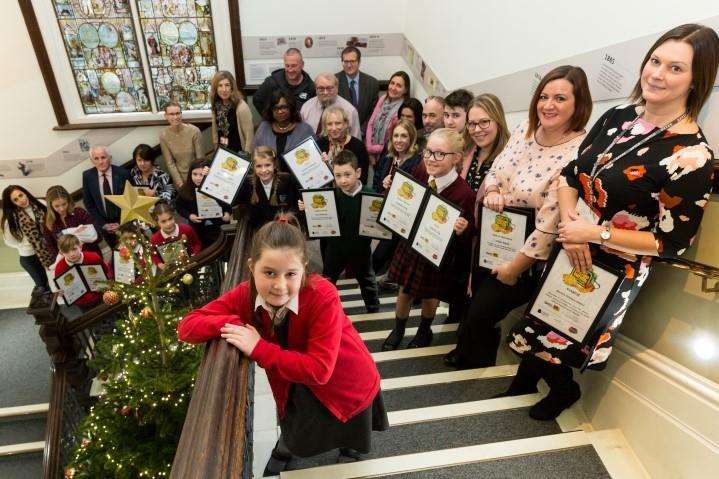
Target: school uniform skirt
(309, 428)
(418, 277)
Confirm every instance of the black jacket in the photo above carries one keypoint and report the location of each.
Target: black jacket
(302, 92)
(368, 93)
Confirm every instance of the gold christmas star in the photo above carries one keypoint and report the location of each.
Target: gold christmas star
(133, 206)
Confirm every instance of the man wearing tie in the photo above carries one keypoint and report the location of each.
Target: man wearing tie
(311, 112)
(103, 179)
(357, 87)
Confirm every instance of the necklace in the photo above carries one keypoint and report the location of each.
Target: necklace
(282, 129)
(550, 144)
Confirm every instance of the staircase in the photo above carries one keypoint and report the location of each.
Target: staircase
(444, 424)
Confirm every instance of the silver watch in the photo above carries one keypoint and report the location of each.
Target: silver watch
(606, 233)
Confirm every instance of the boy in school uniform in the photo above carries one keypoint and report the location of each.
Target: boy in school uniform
(70, 248)
(350, 249)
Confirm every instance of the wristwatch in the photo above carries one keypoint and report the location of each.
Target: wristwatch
(606, 233)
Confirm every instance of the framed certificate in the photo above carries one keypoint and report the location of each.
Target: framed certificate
(94, 276)
(124, 267)
(402, 204)
(227, 172)
(370, 207)
(305, 163)
(207, 207)
(171, 252)
(502, 235)
(571, 302)
(71, 284)
(435, 229)
(321, 213)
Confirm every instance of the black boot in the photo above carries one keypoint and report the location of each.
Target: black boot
(453, 359)
(424, 335)
(279, 460)
(525, 381)
(563, 392)
(348, 455)
(395, 337)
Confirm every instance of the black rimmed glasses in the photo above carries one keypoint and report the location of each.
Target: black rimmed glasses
(280, 107)
(437, 155)
(482, 124)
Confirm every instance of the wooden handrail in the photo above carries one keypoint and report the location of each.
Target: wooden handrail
(213, 442)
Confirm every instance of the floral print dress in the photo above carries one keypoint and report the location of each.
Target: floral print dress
(661, 187)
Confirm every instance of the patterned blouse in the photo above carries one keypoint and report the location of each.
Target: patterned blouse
(527, 175)
(158, 180)
(477, 171)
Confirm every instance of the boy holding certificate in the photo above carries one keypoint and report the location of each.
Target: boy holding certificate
(72, 254)
(350, 249)
(416, 276)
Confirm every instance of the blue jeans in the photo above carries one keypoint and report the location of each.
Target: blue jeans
(35, 269)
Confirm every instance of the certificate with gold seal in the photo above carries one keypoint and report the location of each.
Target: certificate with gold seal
(72, 285)
(371, 205)
(502, 235)
(95, 277)
(227, 172)
(306, 164)
(321, 213)
(570, 301)
(402, 204)
(435, 229)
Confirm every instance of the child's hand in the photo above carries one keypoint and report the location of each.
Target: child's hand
(460, 225)
(243, 337)
(162, 266)
(226, 217)
(301, 205)
(387, 182)
(206, 171)
(325, 157)
(195, 219)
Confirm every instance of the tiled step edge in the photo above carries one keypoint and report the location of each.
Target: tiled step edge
(29, 410)
(24, 448)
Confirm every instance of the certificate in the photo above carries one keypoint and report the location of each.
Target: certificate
(305, 163)
(227, 172)
(502, 235)
(207, 207)
(71, 284)
(85, 233)
(369, 212)
(321, 213)
(171, 252)
(95, 277)
(124, 266)
(435, 229)
(402, 204)
(572, 302)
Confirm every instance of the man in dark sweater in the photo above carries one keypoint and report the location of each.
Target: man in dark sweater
(350, 249)
(292, 79)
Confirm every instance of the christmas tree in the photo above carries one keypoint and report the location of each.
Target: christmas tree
(133, 429)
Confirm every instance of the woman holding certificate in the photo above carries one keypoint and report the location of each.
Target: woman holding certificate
(525, 175)
(637, 190)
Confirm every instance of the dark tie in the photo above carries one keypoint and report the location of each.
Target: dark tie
(318, 132)
(110, 208)
(433, 185)
(353, 92)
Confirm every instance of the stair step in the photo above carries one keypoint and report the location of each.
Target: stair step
(23, 448)
(386, 320)
(441, 338)
(444, 393)
(23, 466)
(22, 429)
(411, 362)
(24, 410)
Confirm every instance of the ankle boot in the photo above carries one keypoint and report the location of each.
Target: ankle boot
(525, 381)
(563, 392)
(277, 463)
(395, 337)
(424, 335)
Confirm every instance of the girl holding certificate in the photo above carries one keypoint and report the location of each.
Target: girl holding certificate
(637, 189)
(325, 383)
(62, 214)
(525, 175)
(416, 276)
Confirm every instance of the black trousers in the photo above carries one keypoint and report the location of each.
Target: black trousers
(334, 264)
(382, 255)
(478, 333)
(35, 269)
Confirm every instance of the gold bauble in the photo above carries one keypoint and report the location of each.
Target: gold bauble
(187, 279)
(146, 312)
(110, 297)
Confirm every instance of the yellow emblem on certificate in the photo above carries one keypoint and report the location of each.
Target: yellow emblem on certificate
(406, 191)
(440, 214)
(582, 282)
(230, 163)
(92, 270)
(68, 279)
(502, 224)
(318, 202)
(375, 206)
(301, 156)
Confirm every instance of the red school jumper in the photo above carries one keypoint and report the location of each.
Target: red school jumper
(88, 257)
(194, 245)
(325, 352)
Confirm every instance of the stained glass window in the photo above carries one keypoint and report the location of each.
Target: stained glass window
(180, 45)
(101, 44)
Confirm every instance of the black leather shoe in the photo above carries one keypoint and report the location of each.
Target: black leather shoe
(278, 462)
(394, 339)
(515, 392)
(348, 455)
(422, 339)
(373, 308)
(555, 402)
(453, 360)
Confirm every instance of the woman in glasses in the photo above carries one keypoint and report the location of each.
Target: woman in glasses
(525, 175)
(488, 130)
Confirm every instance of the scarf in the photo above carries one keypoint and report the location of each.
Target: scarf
(32, 229)
(223, 122)
(388, 111)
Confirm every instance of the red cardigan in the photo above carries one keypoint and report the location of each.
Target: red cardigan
(194, 245)
(325, 352)
(88, 257)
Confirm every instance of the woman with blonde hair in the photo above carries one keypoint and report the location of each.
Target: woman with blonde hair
(336, 137)
(488, 131)
(62, 213)
(232, 125)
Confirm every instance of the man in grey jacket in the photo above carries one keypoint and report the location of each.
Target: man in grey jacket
(292, 79)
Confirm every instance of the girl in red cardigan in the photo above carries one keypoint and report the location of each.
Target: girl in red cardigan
(170, 231)
(325, 383)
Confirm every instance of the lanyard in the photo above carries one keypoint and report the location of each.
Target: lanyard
(603, 162)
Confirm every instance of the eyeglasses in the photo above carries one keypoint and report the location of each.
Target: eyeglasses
(350, 62)
(483, 124)
(280, 107)
(324, 89)
(438, 155)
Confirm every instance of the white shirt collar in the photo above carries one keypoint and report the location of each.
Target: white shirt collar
(358, 188)
(293, 304)
(174, 233)
(267, 187)
(444, 181)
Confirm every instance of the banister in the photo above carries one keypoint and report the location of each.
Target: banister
(704, 271)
